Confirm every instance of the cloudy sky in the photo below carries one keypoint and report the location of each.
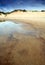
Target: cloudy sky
(9, 5)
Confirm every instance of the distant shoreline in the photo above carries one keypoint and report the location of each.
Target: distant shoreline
(26, 17)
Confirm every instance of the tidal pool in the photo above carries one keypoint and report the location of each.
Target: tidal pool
(10, 27)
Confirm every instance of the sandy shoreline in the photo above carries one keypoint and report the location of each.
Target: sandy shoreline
(36, 19)
(27, 17)
(21, 49)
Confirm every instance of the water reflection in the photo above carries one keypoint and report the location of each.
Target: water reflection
(9, 27)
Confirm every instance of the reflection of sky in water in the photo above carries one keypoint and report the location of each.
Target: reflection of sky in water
(9, 27)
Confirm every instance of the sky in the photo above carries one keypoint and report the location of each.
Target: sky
(10, 5)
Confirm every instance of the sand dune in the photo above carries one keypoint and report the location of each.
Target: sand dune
(21, 49)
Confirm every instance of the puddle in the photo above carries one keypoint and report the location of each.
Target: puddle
(9, 27)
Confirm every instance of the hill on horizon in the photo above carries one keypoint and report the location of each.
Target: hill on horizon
(20, 10)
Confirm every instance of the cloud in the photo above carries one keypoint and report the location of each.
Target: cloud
(8, 5)
(20, 2)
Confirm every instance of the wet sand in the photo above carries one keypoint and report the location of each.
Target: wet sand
(24, 44)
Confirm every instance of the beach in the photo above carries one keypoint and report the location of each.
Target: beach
(22, 40)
